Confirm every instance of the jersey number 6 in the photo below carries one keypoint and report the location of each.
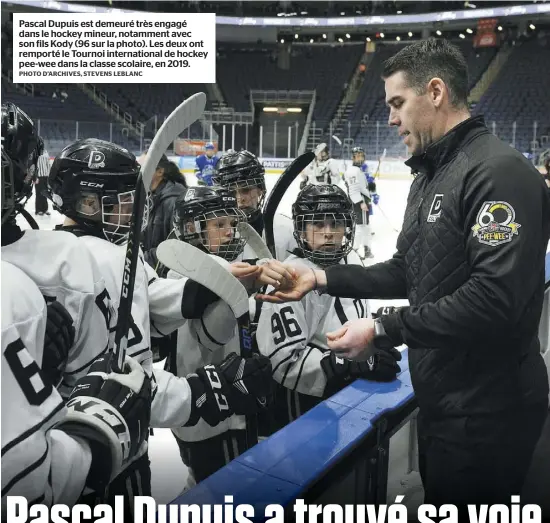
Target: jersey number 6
(284, 325)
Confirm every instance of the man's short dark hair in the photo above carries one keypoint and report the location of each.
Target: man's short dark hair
(431, 58)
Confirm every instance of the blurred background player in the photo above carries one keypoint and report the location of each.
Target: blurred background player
(168, 183)
(207, 218)
(41, 182)
(243, 174)
(293, 335)
(52, 453)
(205, 165)
(322, 170)
(362, 192)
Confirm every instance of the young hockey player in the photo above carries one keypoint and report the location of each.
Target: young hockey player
(243, 174)
(92, 183)
(207, 218)
(362, 192)
(293, 336)
(56, 262)
(322, 170)
(51, 452)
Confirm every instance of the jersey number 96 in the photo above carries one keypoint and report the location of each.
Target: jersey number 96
(284, 326)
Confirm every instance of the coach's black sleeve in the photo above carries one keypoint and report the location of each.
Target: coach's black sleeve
(385, 280)
(505, 260)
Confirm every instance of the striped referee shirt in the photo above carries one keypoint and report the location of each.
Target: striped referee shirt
(43, 164)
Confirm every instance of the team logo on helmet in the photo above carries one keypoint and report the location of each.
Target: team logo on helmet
(96, 160)
(189, 195)
(495, 224)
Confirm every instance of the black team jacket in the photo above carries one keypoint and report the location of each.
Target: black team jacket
(470, 260)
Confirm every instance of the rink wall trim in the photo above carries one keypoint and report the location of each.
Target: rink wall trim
(280, 469)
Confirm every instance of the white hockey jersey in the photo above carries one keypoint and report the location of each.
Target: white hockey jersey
(356, 184)
(110, 259)
(40, 463)
(323, 172)
(200, 342)
(56, 262)
(293, 335)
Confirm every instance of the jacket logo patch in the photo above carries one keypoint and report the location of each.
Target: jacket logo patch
(495, 224)
(435, 209)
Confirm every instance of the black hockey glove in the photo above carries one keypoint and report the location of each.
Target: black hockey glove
(381, 366)
(236, 386)
(383, 311)
(58, 340)
(111, 412)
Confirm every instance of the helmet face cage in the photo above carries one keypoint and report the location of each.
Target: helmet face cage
(215, 231)
(244, 186)
(331, 235)
(247, 176)
(116, 215)
(112, 212)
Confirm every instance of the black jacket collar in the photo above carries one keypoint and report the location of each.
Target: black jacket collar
(446, 148)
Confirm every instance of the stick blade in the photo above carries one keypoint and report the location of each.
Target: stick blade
(253, 239)
(183, 117)
(198, 266)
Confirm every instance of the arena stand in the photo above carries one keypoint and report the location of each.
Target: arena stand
(358, 447)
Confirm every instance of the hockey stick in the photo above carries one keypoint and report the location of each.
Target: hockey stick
(182, 117)
(198, 266)
(255, 241)
(377, 172)
(277, 193)
(339, 142)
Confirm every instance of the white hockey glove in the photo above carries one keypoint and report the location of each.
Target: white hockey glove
(235, 386)
(111, 412)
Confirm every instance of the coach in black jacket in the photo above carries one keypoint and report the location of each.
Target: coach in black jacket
(470, 260)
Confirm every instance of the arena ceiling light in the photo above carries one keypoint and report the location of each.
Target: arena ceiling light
(410, 34)
(382, 35)
(368, 38)
(499, 28)
(347, 35)
(438, 32)
(532, 27)
(296, 37)
(324, 35)
(398, 38)
(311, 40)
(469, 31)
(294, 109)
(340, 40)
(462, 36)
(282, 40)
(270, 109)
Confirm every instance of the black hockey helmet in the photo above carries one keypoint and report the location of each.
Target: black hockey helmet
(21, 148)
(358, 156)
(93, 182)
(324, 223)
(242, 170)
(207, 217)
